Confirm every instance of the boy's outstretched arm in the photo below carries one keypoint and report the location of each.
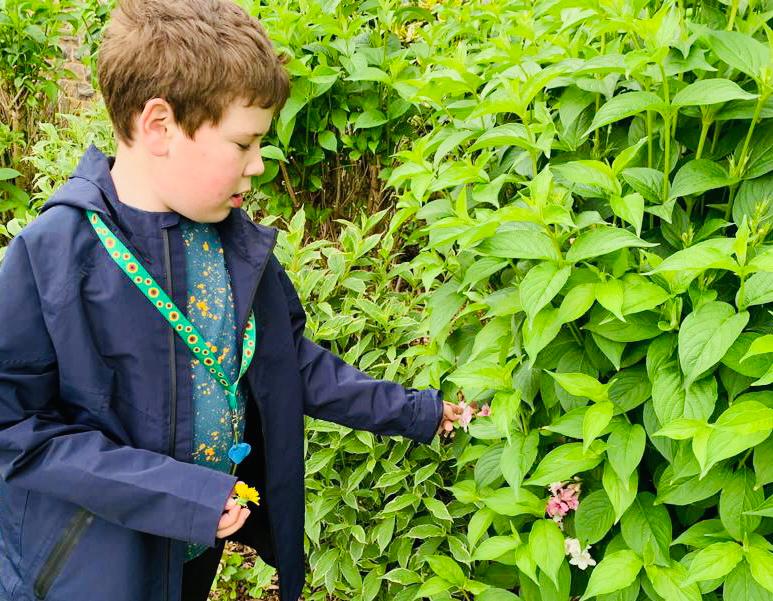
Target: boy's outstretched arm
(42, 451)
(338, 392)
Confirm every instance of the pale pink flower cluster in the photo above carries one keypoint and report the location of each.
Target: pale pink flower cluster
(563, 500)
(468, 412)
(579, 557)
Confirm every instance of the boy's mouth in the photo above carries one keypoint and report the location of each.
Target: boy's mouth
(237, 200)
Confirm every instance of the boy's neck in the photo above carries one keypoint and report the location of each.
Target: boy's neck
(130, 178)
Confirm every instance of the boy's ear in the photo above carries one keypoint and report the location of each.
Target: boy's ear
(156, 126)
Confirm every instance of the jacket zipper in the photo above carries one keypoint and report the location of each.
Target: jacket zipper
(61, 552)
(173, 401)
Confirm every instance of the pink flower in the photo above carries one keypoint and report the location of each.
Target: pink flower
(484, 411)
(562, 500)
(466, 416)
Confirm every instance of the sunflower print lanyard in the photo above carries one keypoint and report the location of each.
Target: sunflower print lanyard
(135, 271)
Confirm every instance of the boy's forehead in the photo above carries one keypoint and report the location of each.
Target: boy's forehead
(248, 119)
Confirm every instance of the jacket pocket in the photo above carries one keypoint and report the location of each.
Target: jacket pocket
(58, 556)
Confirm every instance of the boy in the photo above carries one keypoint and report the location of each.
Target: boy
(151, 347)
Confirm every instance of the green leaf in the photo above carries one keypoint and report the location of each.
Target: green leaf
(738, 496)
(402, 576)
(742, 426)
(625, 105)
(740, 585)
(447, 569)
(577, 302)
(621, 493)
(565, 461)
(692, 490)
(670, 582)
(596, 419)
(518, 456)
(370, 118)
(438, 509)
(738, 50)
(757, 290)
(714, 561)
(616, 571)
(583, 385)
(327, 139)
(7, 173)
(647, 526)
(594, 518)
(546, 546)
(540, 286)
(479, 524)
(702, 534)
(673, 399)
(519, 244)
(496, 594)
(505, 501)
(625, 448)
(593, 179)
(710, 91)
(699, 175)
(603, 240)
(610, 295)
(761, 565)
(433, 586)
(509, 134)
(709, 254)
(763, 463)
(538, 335)
(630, 208)
(705, 336)
(494, 547)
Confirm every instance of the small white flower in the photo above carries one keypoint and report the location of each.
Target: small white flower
(572, 546)
(583, 560)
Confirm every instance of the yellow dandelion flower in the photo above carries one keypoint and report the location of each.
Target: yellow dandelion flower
(246, 493)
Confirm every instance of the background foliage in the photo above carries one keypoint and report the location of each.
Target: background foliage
(558, 208)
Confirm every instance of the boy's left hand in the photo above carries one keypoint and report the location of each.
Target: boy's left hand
(451, 413)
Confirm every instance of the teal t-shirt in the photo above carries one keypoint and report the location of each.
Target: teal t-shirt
(211, 310)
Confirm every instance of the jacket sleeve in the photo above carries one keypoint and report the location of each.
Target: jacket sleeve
(41, 451)
(337, 392)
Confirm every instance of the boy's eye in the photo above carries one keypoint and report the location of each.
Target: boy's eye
(243, 146)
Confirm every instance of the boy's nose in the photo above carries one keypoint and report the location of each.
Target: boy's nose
(255, 166)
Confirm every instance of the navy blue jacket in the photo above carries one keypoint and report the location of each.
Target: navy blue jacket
(98, 492)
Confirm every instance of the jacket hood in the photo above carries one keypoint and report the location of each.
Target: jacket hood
(88, 185)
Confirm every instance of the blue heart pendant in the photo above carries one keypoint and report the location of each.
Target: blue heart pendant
(238, 452)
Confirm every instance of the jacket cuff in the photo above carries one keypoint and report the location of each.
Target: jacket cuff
(427, 413)
(213, 495)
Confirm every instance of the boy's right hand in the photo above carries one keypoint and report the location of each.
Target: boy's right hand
(233, 518)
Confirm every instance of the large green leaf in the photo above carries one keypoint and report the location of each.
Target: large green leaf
(739, 50)
(741, 586)
(519, 244)
(447, 569)
(540, 286)
(742, 426)
(672, 398)
(518, 456)
(700, 175)
(594, 517)
(565, 461)
(705, 336)
(603, 240)
(647, 526)
(625, 105)
(621, 493)
(709, 254)
(625, 448)
(546, 546)
(738, 496)
(616, 571)
(710, 91)
(670, 582)
(715, 561)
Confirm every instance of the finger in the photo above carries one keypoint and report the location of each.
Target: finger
(448, 426)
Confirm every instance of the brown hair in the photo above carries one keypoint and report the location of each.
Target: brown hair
(198, 55)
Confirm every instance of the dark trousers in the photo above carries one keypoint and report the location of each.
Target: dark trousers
(199, 573)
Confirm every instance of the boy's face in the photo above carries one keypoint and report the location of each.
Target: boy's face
(204, 177)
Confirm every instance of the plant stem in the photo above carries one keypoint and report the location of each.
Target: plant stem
(757, 110)
(667, 134)
(704, 131)
(649, 139)
(733, 11)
